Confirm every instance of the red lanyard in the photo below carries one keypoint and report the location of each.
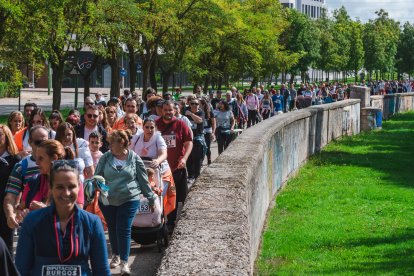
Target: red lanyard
(58, 240)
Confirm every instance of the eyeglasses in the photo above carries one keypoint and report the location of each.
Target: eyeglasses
(60, 163)
(92, 115)
(38, 142)
(194, 103)
(88, 103)
(149, 127)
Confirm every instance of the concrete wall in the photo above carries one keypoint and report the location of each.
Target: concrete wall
(394, 103)
(221, 225)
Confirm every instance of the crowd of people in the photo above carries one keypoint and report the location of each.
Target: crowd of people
(45, 161)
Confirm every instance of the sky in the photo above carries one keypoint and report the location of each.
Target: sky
(399, 10)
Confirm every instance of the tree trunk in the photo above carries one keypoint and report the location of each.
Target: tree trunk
(254, 82)
(132, 68)
(166, 80)
(115, 79)
(206, 81)
(86, 85)
(145, 73)
(152, 71)
(57, 79)
(292, 77)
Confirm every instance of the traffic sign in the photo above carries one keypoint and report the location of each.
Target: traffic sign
(123, 72)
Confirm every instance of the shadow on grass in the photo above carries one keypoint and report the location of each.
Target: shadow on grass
(394, 260)
(391, 151)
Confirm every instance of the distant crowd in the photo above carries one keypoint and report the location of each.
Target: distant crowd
(62, 180)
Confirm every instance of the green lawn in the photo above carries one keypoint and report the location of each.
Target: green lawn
(349, 211)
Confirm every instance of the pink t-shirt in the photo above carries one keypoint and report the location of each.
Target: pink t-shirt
(43, 192)
(96, 156)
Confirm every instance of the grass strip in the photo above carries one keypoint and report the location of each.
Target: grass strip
(349, 210)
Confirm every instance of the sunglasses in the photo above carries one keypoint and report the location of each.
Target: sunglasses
(149, 127)
(194, 104)
(92, 115)
(38, 142)
(61, 163)
(88, 103)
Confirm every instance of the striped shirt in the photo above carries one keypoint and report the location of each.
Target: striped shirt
(17, 180)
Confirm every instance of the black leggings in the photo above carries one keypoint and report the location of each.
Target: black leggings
(252, 118)
(207, 138)
(223, 141)
(195, 160)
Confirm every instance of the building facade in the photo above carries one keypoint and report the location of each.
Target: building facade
(312, 8)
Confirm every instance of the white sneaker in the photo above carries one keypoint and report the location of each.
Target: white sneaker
(116, 261)
(125, 270)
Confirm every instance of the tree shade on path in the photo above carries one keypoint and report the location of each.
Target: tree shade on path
(350, 209)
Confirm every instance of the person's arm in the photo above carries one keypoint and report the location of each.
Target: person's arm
(232, 122)
(197, 119)
(98, 251)
(9, 207)
(188, 147)
(213, 126)
(25, 252)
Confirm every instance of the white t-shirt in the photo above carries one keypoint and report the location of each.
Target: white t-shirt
(149, 149)
(84, 156)
(88, 132)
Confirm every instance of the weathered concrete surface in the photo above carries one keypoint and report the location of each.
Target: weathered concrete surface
(363, 93)
(222, 221)
(369, 118)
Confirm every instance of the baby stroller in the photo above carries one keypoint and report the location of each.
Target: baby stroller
(148, 228)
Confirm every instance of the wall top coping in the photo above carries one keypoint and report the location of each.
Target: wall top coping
(399, 95)
(372, 108)
(377, 97)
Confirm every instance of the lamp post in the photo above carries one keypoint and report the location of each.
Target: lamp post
(75, 73)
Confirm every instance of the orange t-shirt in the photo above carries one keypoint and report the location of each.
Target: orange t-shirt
(120, 124)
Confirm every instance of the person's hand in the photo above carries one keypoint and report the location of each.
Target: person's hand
(21, 214)
(12, 221)
(154, 163)
(24, 153)
(231, 130)
(188, 113)
(181, 163)
(35, 205)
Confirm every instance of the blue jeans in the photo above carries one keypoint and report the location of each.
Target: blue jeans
(119, 220)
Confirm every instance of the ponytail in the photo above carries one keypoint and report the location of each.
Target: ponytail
(69, 154)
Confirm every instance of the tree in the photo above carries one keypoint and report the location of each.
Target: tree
(405, 52)
(356, 53)
(301, 38)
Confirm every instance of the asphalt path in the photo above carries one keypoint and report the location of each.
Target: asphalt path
(143, 260)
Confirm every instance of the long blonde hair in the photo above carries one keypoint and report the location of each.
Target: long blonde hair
(10, 144)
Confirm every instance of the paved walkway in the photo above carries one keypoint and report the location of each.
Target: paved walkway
(144, 260)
